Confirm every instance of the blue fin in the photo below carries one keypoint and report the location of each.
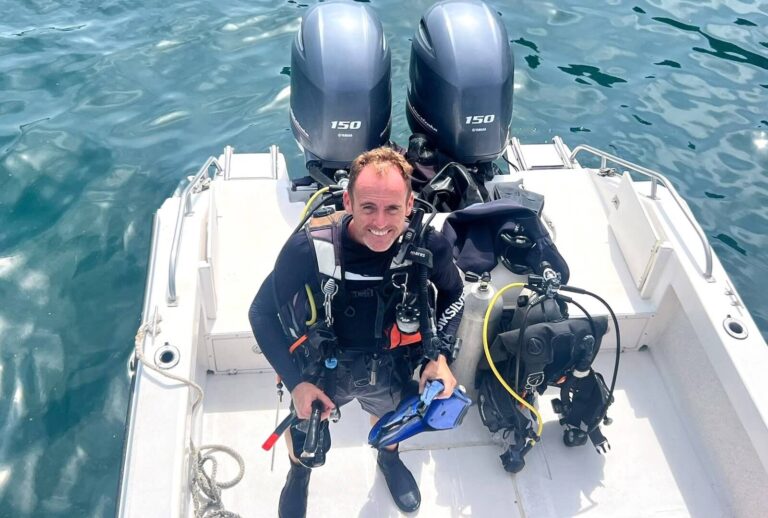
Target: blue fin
(418, 414)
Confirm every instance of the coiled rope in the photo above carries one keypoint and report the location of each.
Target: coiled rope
(206, 490)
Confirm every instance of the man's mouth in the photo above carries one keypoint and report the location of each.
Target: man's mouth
(379, 232)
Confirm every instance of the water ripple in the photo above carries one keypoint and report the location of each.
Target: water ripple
(43, 29)
(719, 48)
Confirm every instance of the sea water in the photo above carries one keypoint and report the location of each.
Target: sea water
(106, 105)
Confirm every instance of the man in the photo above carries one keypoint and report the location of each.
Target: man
(377, 202)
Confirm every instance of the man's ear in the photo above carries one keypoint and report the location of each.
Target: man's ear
(409, 204)
(347, 201)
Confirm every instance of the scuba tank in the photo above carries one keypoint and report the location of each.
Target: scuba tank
(477, 296)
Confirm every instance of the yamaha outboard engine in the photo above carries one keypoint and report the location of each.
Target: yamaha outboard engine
(340, 85)
(461, 84)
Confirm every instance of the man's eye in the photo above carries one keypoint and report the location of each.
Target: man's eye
(393, 210)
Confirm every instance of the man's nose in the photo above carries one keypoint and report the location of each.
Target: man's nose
(380, 219)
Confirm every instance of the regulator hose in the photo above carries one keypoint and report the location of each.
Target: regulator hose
(521, 336)
(589, 318)
(432, 214)
(425, 319)
(487, 350)
(311, 200)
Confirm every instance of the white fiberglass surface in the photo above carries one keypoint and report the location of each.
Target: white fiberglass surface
(651, 470)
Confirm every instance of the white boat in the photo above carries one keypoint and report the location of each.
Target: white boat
(690, 419)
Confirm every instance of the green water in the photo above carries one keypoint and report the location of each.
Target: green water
(106, 105)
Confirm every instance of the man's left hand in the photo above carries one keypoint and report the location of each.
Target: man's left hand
(438, 370)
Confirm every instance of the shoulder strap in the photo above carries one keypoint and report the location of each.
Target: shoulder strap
(324, 235)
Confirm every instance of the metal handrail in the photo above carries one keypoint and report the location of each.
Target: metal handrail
(273, 153)
(656, 178)
(518, 152)
(228, 150)
(185, 208)
(562, 152)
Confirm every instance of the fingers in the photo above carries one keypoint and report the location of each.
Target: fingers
(303, 411)
(304, 394)
(327, 404)
(449, 383)
(439, 370)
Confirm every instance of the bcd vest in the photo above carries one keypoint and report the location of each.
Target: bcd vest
(329, 301)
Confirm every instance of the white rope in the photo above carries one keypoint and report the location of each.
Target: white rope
(206, 491)
(139, 343)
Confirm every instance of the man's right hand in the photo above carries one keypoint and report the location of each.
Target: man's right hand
(304, 394)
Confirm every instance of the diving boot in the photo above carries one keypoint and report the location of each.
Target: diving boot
(293, 497)
(400, 481)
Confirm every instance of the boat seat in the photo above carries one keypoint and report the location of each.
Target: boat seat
(246, 230)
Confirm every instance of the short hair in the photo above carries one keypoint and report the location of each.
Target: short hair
(381, 157)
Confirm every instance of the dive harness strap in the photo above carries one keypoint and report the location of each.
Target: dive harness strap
(325, 238)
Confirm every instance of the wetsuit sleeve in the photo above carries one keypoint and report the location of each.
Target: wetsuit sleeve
(450, 288)
(292, 271)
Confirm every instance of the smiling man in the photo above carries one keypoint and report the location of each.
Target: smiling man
(376, 359)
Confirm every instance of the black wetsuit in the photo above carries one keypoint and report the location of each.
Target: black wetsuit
(355, 306)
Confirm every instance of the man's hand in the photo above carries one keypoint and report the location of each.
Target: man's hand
(438, 370)
(304, 394)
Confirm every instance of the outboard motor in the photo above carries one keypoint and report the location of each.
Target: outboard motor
(340, 86)
(461, 85)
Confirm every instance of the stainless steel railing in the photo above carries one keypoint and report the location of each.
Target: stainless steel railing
(274, 151)
(185, 207)
(656, 178)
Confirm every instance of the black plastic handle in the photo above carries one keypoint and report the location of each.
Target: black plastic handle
(313, 429)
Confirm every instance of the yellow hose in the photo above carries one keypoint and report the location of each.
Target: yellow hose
(312, 308)
(487, 350)
(311, 200)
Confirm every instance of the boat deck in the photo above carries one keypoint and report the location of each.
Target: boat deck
(651, 470)
(688, 437)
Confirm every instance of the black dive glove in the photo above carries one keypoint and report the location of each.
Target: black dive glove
(441, 344)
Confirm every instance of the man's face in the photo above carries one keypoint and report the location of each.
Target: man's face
(379, 206)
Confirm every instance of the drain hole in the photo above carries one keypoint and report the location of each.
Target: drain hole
(167, 356)
(735, 328)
